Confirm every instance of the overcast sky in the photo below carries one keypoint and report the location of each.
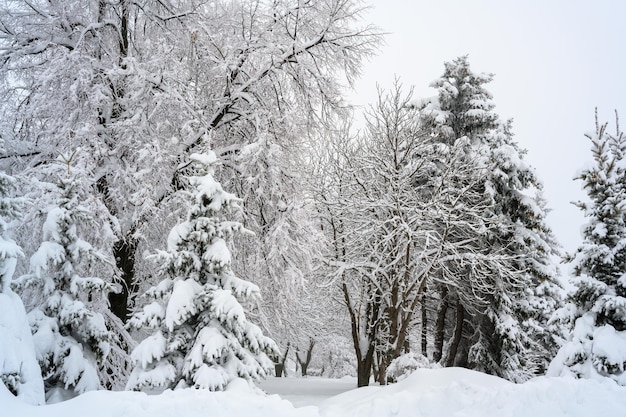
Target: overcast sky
(554, 62)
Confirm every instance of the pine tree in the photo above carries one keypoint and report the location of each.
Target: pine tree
(19, 370)
(200, 334)
(598, 303)
(71, 338)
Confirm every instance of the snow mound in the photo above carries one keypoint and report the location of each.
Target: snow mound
(460, 392)
(18, 362)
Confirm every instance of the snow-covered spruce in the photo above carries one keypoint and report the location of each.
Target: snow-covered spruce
(597, 309)
(200, 335)
(19, 370)
(70, 335)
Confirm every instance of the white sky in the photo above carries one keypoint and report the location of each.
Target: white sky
(554, 62)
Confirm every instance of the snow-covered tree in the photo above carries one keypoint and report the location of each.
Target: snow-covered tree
(597, 309)
(392, 209)
(19, 370)
(138, 85)
(370, 212)
(67, 283)
(200, 336)
(280, 257)
(509, 316)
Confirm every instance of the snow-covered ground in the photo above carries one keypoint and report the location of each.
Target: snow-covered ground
(307, 391)
(450, 392)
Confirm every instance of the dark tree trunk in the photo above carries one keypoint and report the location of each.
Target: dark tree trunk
(458, 332)
(440, 325)
(304, 363)
(124, 252)
(424, 328)
(278, 369)
(364, 360)
(279, 363)
(364, 368)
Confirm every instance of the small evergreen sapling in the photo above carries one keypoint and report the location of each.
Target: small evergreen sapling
(200, 335)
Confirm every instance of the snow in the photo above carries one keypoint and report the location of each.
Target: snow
(207, 159)
(210, 344)
(449, 392)
(177, 235)
(405, 364)
(51, 225)
(597, 353)
(17, 352)
(218, 253)
(610, 345)
(150, 349)
(9, 252)
(308, 391)
(182, 303)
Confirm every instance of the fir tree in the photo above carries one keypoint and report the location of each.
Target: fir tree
(598, 304)
(200, 334)
(70, 334)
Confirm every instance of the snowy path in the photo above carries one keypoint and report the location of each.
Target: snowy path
(307, 391)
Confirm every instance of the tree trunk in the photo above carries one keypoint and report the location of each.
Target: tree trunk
(364, 368)
(440, 325)
(382, 371)
(458, 332)
(304, 364)
(124, 253)
(424, 328)
(279, 364)
(364, 361)
(278, 369)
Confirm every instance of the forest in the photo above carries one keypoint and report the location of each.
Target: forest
(187, 198)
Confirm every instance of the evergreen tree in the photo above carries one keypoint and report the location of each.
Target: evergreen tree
(509, 318)
(19, 370)
(200, 334)
(10, 209)
(71, 338)
(525, 304)
(598, 303)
